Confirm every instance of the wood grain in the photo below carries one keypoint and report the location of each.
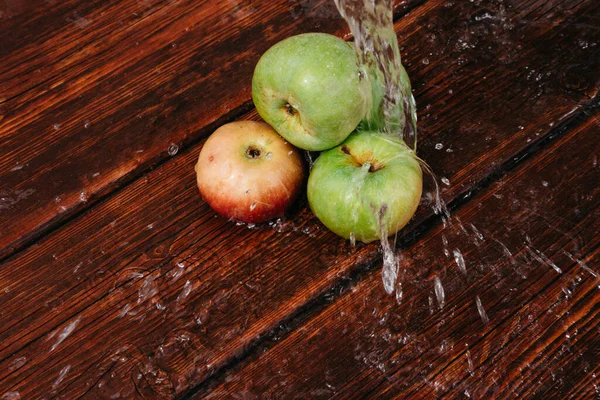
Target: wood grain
(148, 293)
(532, 258)
(94, 93)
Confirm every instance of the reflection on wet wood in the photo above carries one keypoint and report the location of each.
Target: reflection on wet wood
(148, 293)
(522, 322)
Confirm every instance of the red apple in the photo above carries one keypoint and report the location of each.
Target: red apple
(248, 173)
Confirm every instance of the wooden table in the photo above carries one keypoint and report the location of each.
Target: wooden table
(118, 281)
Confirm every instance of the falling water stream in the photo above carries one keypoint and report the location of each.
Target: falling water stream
(392, 105)
(393, 108)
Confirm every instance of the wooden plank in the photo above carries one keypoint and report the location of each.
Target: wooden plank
(93, 93)
(532, 258)
(105, 299)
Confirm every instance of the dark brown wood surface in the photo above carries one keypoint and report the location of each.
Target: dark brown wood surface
(92, 94)
(531, 250)
(124, 284)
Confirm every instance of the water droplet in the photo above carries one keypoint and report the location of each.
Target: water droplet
(481, 310)
(399, 293)
(173, 149)
(439, 291)
(425, 61)
(269, 156)
(66, 331)
(439, 146)
(469, 362)
(187, 289)
(147, 290)
(56, 127)
(252, 206)
(86, 123)
(445, 181)
(460, 261)
(17, 363)
(61, 375)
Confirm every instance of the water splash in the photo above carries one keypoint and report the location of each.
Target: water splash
(61, 376)
(17, 363)
(399, 292)
(147, 290)
(469, 361)
(439, 205)
(541, 258)
(177, 272)
(66, 331)
(478, 234)
(185, 292)
(481, 310)
(439, 291)
(460, 261)
(389, 273)
(583, 266)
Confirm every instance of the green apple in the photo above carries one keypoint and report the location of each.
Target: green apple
(370, 184)
(308, 87)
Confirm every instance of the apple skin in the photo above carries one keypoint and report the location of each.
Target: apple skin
(248, 173)
(308, 88)
(348, 196)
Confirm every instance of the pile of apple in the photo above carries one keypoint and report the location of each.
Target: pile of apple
(308, 88)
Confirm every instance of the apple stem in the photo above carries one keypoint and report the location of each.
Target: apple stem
(253, 153)
(290, 109)
(373, 165)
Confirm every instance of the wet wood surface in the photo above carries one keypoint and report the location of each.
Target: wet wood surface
(93, 93)
(519, 319)
(117, 279)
